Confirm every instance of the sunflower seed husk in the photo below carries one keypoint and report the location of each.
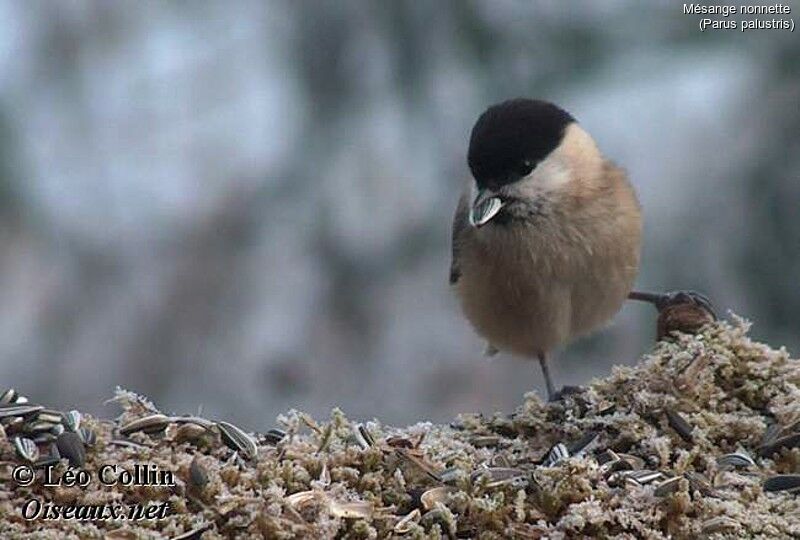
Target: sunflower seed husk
(21, 400)
(404, 525)
(26, 449)
(557, 453)
(681, 426)
(435, 495)
(720, 524)
(72, 420)
(735, 460)
(783, 482)
(8, 396)
(351, 510)
(57, 429)
(15, 410)
(198, 477)
(668, 486)
(238, 440)
(152, 423)
(302, 497)
(775, 446)
(70, 446)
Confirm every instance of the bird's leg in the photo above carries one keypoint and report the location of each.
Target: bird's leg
(664, 300)
(551, 391)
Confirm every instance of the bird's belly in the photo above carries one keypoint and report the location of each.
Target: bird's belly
(520, 312)
(529, 306)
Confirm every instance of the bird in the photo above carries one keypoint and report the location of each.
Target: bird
(547, 233)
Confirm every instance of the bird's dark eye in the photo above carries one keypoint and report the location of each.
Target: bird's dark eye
(525, 168)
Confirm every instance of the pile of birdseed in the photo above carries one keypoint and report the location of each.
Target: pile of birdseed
(701, 438)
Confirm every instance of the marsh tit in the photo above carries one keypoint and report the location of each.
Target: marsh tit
(547, 234)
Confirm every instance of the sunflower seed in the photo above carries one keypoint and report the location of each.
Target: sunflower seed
(582, 444)
(484, 441)
(49, 415)
(198, 477)
(783, 482)
(152, 423)
(44, 438)
(680, 425)
(72, 420)
(632, 462)
(557, 453)
(697, 482)
(770, 434)
(607, 457)
(735, 459)
(71, 447)
(189, 432)
(26, 449)
(57, 430)
(39, 427)
(47, 461)
(127, 443)
(274, 436)
(15, 410)
(642, 477)
(208, 424)
(499, 476)
(8, 396)
(238, 440)
(88, 436)
(775, 446)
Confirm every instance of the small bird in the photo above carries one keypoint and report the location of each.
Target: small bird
(547, 235)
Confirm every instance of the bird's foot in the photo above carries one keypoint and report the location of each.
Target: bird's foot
(564, 392)
(680, 298)
(683, 311)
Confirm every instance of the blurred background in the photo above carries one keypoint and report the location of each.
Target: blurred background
(245, 206)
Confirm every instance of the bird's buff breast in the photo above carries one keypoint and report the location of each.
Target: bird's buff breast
(527, 292)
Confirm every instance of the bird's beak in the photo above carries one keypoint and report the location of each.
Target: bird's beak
(486, 206)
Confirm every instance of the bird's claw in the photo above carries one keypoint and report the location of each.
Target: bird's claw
(566, 391)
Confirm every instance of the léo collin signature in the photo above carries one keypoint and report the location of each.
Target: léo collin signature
(111, 475)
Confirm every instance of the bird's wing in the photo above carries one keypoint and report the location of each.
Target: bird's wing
(460, 225)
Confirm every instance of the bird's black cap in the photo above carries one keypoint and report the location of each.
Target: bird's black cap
(513, 136)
